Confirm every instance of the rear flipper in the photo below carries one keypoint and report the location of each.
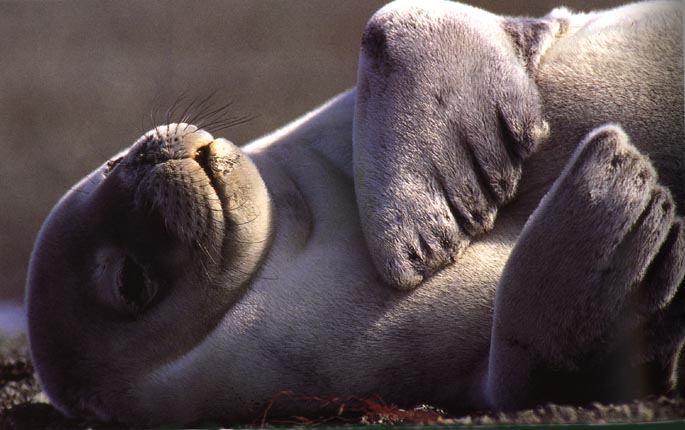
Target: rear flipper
(589, 306)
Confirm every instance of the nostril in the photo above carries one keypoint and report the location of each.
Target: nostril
(202, 155)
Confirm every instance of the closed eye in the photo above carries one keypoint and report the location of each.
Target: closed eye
(135, 288)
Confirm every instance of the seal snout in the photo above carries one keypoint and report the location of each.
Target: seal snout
(184, 141)
(170, 171)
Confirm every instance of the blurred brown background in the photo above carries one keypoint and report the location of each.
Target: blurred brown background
(79, 78)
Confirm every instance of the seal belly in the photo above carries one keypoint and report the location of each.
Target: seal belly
(324, 312)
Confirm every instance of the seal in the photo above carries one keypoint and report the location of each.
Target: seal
(187, 280)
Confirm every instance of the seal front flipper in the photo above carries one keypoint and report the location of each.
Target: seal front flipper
(588, 307)
(446, 111)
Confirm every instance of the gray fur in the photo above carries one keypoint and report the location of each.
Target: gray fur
(293, 301)
(449, 109)
(593, 299)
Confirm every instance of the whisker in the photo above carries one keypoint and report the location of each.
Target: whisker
(202, 107)
(172, 109)
(228, 123)
(214, 113)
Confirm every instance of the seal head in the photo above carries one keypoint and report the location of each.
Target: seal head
(172, 228)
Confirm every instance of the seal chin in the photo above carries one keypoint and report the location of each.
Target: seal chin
(171, 229)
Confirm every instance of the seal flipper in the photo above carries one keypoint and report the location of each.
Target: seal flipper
(447, 110)
(586, 308)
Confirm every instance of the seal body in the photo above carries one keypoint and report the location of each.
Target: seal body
(188, 280)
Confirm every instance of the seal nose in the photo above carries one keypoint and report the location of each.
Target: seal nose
(218, 156)
(184, 140)
(171, 142)
(202, 154)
